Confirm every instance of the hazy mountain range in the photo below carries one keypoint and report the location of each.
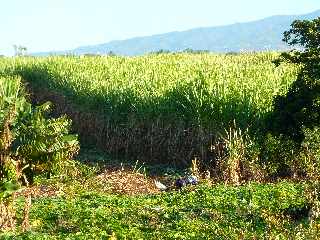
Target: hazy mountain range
(261, 35)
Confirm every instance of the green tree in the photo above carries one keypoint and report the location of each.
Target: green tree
(300, 107)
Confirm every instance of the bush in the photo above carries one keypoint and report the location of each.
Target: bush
(292, 146)
(283, 157)
(310, 153)
(43, 144)
(278, 155)
(30, 141)
(300, 107)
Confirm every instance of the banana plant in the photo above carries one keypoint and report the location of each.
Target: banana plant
(42, 141)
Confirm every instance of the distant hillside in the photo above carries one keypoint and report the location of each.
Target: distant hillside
(265, 34)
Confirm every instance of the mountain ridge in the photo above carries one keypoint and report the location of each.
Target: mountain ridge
(259, 35)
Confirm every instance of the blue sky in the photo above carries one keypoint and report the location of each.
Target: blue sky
(43, 25)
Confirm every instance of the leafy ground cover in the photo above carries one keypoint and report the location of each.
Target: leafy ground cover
(84, 207)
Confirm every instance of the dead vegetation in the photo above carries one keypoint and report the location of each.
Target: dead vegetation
(127, 182)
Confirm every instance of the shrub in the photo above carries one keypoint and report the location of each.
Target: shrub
(278, 155)
(284, 157)
(290, 149)
(28, 139)
(43, 144)
(300, 107)
(310, 153)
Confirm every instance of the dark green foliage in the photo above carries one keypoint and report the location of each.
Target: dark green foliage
(300, 107)
(43, 142)
(310, 153)
(29, 140)
(312, 141)
(278, 154)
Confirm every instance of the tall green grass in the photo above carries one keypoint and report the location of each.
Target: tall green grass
(207, 89)
(160, 96)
